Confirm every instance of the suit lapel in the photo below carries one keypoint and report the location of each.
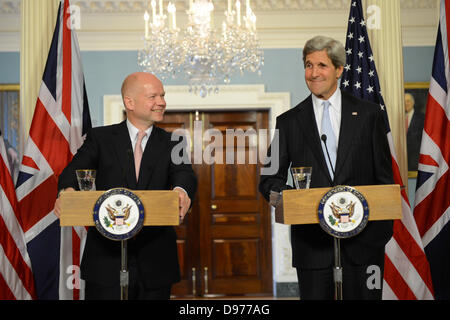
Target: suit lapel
(309, 128)
(350, 123)
(124, 152)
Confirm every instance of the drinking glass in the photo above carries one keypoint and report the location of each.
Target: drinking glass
(301, 177)
(86, 179)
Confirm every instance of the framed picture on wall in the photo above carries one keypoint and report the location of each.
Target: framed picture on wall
(9, 123)
(416, 94)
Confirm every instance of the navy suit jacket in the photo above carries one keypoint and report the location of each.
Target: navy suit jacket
(413, 139)
(109, 150)
(363, 158)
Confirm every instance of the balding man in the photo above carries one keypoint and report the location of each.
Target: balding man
(414, 127)
(111, 150)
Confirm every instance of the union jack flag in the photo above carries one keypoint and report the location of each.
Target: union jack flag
(432, 200)
(406, 270)
(60, 119)
(16, 278)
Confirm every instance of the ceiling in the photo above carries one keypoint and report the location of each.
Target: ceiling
(119, 25)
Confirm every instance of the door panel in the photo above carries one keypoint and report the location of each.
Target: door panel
(240, 247)
(187, 234)
(227, 235)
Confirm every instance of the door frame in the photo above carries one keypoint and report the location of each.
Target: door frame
(230, 97)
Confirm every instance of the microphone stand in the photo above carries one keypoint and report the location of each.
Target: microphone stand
(124, 278)
(124, 274)
(337, 269)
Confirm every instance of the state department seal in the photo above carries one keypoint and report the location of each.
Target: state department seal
(343, 212)
(118, 214)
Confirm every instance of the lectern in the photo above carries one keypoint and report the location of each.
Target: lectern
(306, 206)
(158, 207)
(161, 207)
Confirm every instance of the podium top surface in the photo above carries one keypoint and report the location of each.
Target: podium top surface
(160, 206)
(301, 206)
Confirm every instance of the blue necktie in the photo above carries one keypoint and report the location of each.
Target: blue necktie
(327, 129)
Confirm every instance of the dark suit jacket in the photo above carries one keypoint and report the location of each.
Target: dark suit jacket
(413, 139)
(109, 150)
(363, 158)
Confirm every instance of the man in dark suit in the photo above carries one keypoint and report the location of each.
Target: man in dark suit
(152, 254)
(414, 124)
(362, 158)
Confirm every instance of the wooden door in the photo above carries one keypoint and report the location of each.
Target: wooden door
(225, 243)
(187, 232)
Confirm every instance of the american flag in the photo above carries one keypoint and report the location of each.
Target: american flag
(16, 278)
(432, 200)
(60, 119)
(406, 274)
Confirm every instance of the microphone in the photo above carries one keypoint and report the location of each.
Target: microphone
(324, 139)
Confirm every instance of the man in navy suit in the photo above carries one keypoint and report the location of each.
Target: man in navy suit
(414, 124)
(362, 158)
(152, 254)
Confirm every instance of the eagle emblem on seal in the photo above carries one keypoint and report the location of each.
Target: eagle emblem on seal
(120, 214)
(343, 211)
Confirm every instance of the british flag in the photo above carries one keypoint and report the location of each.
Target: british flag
(432, 200)
(406, 272)
(60, 119)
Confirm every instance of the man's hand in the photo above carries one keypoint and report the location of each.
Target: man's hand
(57, 209)
(184, 202)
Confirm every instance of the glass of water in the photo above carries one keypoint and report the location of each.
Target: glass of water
(301, 177)
(86, 179)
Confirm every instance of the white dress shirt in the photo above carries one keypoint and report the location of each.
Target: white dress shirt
(133, 132)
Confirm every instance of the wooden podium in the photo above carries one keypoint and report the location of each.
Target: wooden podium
(300, 206)
(161, 207)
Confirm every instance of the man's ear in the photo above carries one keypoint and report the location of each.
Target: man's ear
(339, 71)
(129, 102)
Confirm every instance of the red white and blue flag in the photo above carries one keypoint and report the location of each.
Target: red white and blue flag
(432, 199)
(406, 270)
(60, 120)
(16, 278)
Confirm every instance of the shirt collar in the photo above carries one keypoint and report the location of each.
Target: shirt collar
(133, 131)
(335, 101)
(410, 112)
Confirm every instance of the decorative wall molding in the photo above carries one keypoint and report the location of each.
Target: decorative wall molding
(137, 6)
(232, 97)
(118, 24)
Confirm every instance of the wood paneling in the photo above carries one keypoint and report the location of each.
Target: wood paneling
(227, 235)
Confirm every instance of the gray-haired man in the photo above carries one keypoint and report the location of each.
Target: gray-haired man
(360, 155)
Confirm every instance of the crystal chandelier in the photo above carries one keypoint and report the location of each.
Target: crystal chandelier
(204, 56)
